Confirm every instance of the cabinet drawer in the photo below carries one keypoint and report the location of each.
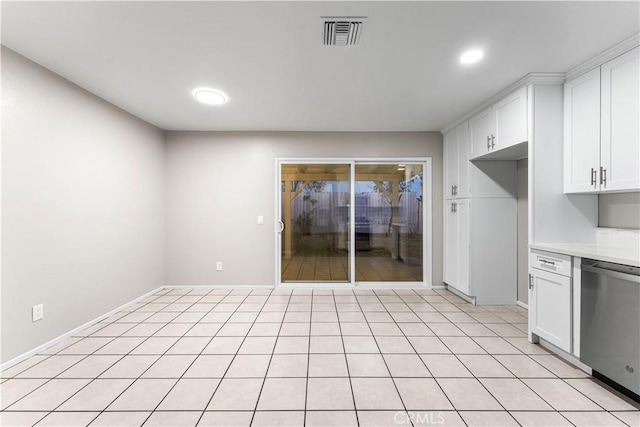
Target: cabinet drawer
(553, 262)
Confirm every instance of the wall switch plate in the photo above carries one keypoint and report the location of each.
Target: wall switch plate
(37, 312)
(260, 220)
(218, 266)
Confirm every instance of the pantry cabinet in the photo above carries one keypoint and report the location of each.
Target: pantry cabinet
(480, 234)
(456, 244)
(602, 118)
(479, 213)
(500, 126)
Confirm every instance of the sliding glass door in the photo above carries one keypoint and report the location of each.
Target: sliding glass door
(315, 217)
(351, 222)
(388, 223)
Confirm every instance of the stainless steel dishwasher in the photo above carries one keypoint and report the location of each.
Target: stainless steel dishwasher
(610, 323)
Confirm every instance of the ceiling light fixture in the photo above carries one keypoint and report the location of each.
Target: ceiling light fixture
(471, 56)
(210, 96)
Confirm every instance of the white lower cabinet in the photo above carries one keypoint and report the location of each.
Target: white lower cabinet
(456, 245)
(550, 298)
(480, 248)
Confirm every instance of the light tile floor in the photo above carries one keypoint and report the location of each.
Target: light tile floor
(261, 357)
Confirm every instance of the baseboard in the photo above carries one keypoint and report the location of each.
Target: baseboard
(56, 340)
(564, 355)
(372, 285)
(215, 286)
(523, 305)
(467, 298)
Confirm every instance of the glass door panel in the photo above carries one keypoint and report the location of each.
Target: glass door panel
(388, 222)
(316, 226)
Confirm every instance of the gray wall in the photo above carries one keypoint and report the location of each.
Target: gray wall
(218, 183)
(82, 205)
(523, 231)
(620, 210)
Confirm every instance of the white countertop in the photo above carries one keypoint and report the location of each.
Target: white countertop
(619, 255)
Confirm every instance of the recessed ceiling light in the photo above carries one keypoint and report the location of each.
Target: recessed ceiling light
(471, 56)
(210, 96)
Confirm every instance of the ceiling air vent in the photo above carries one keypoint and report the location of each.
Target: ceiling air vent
(342, 31)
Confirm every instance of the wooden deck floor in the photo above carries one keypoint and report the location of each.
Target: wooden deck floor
(314, 267)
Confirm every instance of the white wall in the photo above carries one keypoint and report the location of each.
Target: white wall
(218, 183)
(523, 231)
(82, 219)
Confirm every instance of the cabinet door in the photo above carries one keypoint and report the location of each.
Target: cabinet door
(550, 308)
(450, 273)
(510, 114)
(480, 129)
(450, 154)
(462, 136)
(582, 133)
(619, 143)
(464, 230)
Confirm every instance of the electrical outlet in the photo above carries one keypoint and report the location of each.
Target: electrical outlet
(219, 266)
(37, 312)
(260, 220)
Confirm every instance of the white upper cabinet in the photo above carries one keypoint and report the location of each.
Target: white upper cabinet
(456, 162)
(619, 143)
(480, 130)
(450, 163)
(582, 133)
(462, 136)
(510, 125)
(602, 118)
(500, 126)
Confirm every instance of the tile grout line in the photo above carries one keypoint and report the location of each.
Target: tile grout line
(346, 360)
(177, 341)
(381, 354)
(371, 292)
(255, 409)
(479, 381)
(306, 388)
(236, 353)
(515, 376)
(149, 367)
(77, 362)
(123, 355)
(456, 356)
(414, 349)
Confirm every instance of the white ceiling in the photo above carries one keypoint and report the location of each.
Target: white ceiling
(146, 57)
